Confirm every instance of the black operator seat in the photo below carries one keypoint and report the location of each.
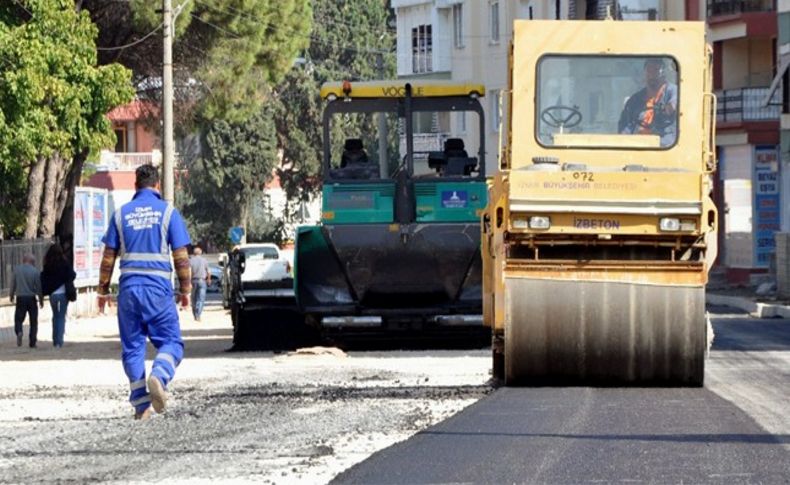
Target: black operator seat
(354, 163)
(458, 161)
(353, 153)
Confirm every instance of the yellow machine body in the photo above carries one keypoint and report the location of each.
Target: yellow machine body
(598, 235)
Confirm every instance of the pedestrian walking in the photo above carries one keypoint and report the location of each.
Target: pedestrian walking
(57, 282)
(25, 288)
(142, 234)
(201, 278)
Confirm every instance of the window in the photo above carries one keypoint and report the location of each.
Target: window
(493, 11)
(121, 138)
(458, 25)
(461, 122)
(583, 100)
(421, 49)
(260, 253)
(495, 95)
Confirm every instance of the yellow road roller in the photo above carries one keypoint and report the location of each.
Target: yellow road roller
(600, 230)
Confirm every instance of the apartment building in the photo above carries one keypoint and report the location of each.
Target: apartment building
(781, 83)
(468, 40)
(744, 38)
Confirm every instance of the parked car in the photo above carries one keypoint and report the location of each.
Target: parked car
(255, 277)
(216, 279)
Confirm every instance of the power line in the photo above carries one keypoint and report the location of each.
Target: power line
(23, 8)
(217, 27)
(131, 44)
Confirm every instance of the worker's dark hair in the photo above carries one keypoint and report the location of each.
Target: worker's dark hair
(655, 61)
(54, 257)
(146, 176)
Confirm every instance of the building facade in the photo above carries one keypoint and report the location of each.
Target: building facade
(744, 38)
(781, 83)
(468, 40)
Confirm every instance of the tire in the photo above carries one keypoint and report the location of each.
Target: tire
(242, 335)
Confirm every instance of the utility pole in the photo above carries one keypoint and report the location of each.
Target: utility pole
(383, 158)
(167, 101)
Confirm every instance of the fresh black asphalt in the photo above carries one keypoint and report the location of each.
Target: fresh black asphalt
(598, 435)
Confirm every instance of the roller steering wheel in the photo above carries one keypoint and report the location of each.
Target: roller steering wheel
(559, 116)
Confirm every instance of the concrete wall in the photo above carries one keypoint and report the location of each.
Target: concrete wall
(747, 62)
(736, 175)
(146, 140)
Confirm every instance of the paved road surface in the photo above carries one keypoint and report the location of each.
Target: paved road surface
(735, 430)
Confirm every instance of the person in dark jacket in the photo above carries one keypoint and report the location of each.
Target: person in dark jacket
(57, 281)
(26, 288)
(653, 109)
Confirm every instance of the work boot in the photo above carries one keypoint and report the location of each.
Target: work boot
(143, 416)
(158, 394)
(19, 340)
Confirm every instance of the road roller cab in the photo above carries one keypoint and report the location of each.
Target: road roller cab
(600, 229)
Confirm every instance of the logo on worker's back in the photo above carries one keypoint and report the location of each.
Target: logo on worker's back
(454, 199)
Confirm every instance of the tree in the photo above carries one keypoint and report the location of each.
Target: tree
(53, 104)
(227, 53)
(359, 34)
(228, 178)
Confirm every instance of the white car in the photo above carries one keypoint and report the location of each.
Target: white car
(266, 273)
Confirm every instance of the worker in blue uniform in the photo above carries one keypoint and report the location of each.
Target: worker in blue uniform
(142, 234)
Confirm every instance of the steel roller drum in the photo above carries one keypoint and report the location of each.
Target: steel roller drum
(603, 333)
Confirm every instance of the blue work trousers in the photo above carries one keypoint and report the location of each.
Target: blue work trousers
(148, 311)
(198, 297)
(60, 305)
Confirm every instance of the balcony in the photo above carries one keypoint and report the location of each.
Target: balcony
(127, 161)
(734, 7)
(748, 104)
(425, 142)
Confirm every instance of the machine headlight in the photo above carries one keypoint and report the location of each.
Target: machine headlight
(539, 222)
(688, 225)
(520, 224)
(673, 224)
(669, 224)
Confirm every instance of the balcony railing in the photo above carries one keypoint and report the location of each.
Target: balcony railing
(730, 7)
(748, 104)
(425, 142)
(122, 161)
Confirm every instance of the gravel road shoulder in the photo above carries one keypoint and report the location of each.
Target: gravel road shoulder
(234, 417)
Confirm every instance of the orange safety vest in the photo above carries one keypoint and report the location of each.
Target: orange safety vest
(650, 110)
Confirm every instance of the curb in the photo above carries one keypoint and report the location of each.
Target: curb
(753, 308)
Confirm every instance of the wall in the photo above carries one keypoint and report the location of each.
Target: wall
(146, 140)
(735, 165)
(747, 62)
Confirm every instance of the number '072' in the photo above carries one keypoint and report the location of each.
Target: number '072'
(583, 176)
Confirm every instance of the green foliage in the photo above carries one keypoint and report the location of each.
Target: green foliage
(234, 49)
(347, 38)
(53, 96)
(147, 14)
(226, 181)
(12, 190)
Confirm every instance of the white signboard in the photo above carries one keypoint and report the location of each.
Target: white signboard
(90, 222)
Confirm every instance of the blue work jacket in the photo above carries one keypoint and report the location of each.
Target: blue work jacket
(143, 232)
